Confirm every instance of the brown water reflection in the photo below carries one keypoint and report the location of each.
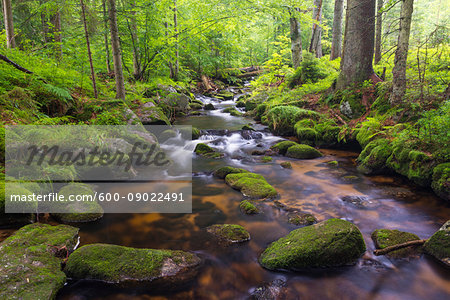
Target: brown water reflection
(311, 186)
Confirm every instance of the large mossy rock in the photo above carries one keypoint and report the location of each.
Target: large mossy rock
(283, 146)
(441, 181)
(14, 219)
(78, 211)
(30, 261)
(150, 114)
(438, 245)
(207, 151)
(229, 233)
(282, 119)
(383, 238)
(251, 185)
(372, 159)
(334, 242)
(303, 152)
(224, 171)
(131, 266)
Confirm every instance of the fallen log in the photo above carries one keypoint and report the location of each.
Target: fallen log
(386, 250)
(250, 74)
(18, 67)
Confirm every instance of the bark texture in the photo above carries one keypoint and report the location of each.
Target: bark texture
(136, 60)
(105, 36)
(57, 38)
(177, 49)
(316, 37)
(296, 42)
(9, 26)
(378, 31)
(88, 45)
(401, 54)
(357, 55)
(115, 45)
(336, 43)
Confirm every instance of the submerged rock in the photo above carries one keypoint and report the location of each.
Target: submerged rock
(229, 233)
(232, 111)
(301, 219)
(269, 291)
(334, 242)
(209, 106)
(30, 261)
(131, 266)
(224, 171)
(302, 152)
(438, 245)
(251, 185)
(266, 159)
(286, 165)
(247, 127)
(248, 208)
(383, 238)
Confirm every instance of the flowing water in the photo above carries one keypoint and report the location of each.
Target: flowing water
(312, 186)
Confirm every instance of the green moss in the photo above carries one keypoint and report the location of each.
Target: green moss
(283, 146)
(306, 135)
(247, 127)
(203, 149)
(251, 185)
(229, 232)
(118, 264)
(31, 261)
(438, 245)
(420, 168)
(385, 237)
(250, 105)
(327, 133)
(196, 106)
(332, 163)
(14, 188)
(195, 133)
(266, 159)
(282, 119)
(441, 181)
(369, 131)
(167, 134)
(224, 171)
(209, 106)
(77, 211)
(286, 165)
(248, 208)
(373, 158)
(232, 111)
(260, 111)
(303, 152)
(334, 242)
(225, 95)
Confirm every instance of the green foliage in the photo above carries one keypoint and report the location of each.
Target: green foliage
(310, 71)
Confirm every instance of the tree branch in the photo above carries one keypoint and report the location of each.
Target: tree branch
(398, 246)
(4, 58)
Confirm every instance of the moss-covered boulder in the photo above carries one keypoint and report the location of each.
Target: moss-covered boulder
(225, 95)
(372, 159)
(30, 261)
(301, 219)
(438, 245)
(232, 111)
(283, 146)
(150, 114)
(14, 219)
(248, 127)
(229, 233)
(195, 106)
(77, 211)
(131, 266)
(266, 159)
(441, 181)
(224, 171)
(282, 119)
(334, 242)
(248, 207)
(286, 165)
(251, 185)
(207, 151)
(383, 238)
(303, 152)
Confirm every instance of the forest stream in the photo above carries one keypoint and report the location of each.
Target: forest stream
(311, 186)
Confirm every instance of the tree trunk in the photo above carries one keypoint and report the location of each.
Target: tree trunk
(115, 45)
(169, 62)
(336, 44)
(316, 37)
(378, 31)
(57, 38)
(136, 61)
(177, 49)
(88, 45)
(296, 42)
(357, 55)
(105, 21)
(401, 54)
(9, 26)
(44, 24)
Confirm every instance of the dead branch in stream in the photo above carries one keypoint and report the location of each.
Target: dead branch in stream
(18, 67)
(398, 246)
